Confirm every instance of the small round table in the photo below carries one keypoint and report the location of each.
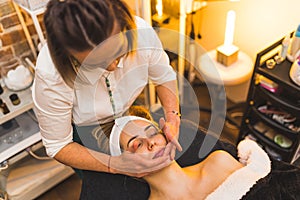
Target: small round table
(235, 78)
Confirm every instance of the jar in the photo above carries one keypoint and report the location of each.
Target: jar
(15, 75)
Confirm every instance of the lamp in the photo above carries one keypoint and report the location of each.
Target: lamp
(228, 53)
(183, 11)
(160, 16)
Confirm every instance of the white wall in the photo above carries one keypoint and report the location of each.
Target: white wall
(259, 23)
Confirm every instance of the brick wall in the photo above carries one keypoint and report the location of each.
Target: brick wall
(11, 33)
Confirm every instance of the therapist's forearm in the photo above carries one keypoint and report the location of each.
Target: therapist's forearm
(168, 96)
(78, 156)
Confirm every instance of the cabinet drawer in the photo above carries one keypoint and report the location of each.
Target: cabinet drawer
(272, 152)
(261, 94)
(286, 128)
(272, 137)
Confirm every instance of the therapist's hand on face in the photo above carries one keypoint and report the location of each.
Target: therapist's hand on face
(137, 164)
(171, 130)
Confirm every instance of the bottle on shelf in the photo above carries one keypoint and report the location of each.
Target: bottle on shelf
(284, 47)
(4, 107)
(294, 50)
(14, 99)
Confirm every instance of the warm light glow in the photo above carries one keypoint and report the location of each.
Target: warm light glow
(159, 8)
(192, 6)
(189, 4)
(229, 32)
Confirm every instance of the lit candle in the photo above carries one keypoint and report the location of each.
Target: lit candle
(229, 32)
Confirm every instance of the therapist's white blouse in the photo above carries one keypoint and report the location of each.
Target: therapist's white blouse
(57, 105)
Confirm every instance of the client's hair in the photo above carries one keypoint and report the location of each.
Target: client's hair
(140, 111)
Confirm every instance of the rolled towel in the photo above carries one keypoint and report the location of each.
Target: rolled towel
(252, 155)
(257, 166)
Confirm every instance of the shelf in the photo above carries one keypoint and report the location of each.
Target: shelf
(277, 101)
(30, 177)
(33, 14)
(279, 74)
(25, 105)
(38, 11)
(273, 123)
(271, 152)
(30, 135)
(268, 141)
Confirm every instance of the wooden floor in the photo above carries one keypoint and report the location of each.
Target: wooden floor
(70, 188)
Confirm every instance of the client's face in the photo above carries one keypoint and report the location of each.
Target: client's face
(143, 137)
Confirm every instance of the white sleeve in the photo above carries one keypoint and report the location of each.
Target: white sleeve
(160, 70)
(52, 105)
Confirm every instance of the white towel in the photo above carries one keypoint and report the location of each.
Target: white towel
(258, 165)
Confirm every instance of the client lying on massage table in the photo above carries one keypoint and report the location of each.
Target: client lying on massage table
(218, 176)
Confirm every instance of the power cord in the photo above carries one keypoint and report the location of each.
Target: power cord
(36, 156)
(230, 122)
(3, 165)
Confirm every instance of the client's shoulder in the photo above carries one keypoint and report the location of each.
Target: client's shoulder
(222, 160)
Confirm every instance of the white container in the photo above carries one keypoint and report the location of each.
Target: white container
(295, 72)
(15, 75)
(284, 47)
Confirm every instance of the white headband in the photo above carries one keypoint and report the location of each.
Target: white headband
(114, 139)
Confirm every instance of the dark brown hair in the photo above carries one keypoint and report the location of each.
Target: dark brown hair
(80, 25)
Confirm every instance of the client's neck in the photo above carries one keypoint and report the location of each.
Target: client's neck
(169, 183)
